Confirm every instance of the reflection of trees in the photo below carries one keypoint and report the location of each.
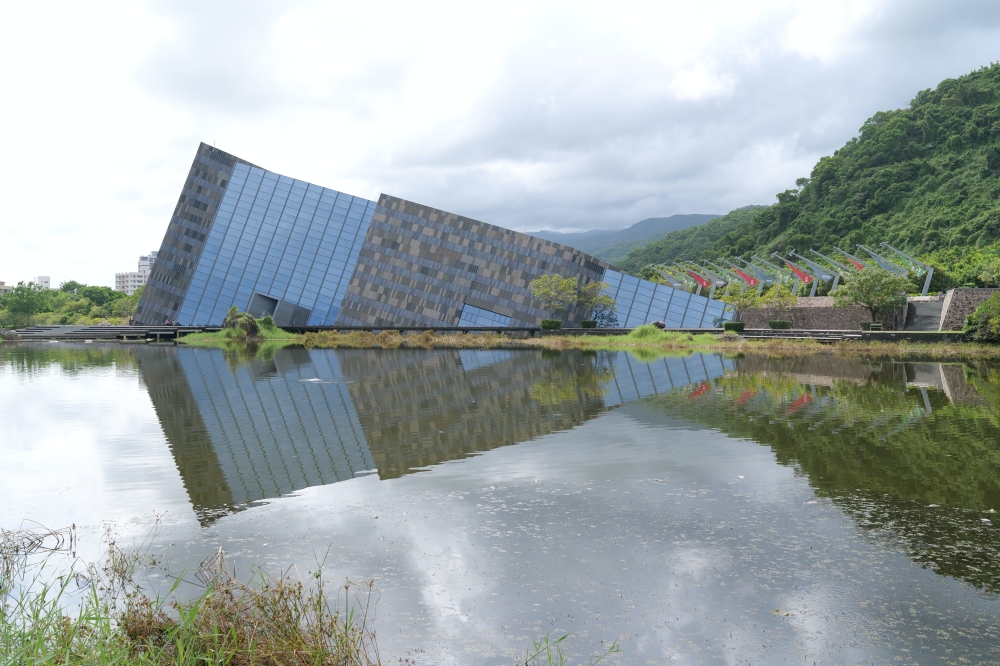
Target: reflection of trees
(882, 452)
(564, 383)
(31, 358)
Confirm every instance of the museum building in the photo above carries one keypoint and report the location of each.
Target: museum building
(312, 256)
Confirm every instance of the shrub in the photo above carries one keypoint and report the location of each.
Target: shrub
(866, 326)
(779, 323)
(646, 332)
(588, 323)
(733, 326)
(551, 324)
(983, 325)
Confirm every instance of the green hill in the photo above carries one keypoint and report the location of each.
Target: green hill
(925, 179)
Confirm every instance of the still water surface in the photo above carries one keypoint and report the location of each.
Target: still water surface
(700, 509)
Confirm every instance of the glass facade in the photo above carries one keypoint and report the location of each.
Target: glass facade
(170, 275)
(310, 256)
(641, 302)
(281, 239)
(473, 316)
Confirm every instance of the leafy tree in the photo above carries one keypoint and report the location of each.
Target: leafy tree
(27, 298)
(71, 286)
(556, 293)
(877, 290)
(741, 296)
(99, 296)
(593, 297)
(780, 299)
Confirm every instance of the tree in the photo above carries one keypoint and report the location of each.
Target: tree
(557, 294)
(877, 290)
(780, 299)
(740, 296)
(602, 308)
(27, 299)
(99, 296)
(71, 286)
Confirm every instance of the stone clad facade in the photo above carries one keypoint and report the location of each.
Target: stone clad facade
(245, 237)
(179, 254)
(422, 266)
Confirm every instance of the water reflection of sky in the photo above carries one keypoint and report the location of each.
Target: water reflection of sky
(650, 522)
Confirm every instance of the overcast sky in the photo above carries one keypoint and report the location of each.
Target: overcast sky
(563, 116)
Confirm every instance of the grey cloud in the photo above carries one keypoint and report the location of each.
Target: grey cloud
(600, 149)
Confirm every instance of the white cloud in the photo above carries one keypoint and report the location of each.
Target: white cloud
(564, 115)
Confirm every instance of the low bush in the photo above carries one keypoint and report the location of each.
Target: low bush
(647, 332)
(551, 324)
(588, 323)
(983, 325)
(866, 326)
(733, 326)
(779, 323)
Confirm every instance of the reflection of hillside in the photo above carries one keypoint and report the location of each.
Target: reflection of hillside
(418, 408)
(883, 450)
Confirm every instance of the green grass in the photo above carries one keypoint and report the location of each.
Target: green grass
(266, 621)
(231, 335)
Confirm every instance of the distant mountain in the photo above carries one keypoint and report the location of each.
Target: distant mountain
(614, 245)
(693, 242)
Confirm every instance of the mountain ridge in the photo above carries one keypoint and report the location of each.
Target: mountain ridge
(925, 179)
(613, 245)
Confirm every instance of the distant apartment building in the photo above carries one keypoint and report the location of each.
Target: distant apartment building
(43, 281)
(129, 282)
(5, 288)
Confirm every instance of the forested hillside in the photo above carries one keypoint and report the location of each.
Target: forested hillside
(926, 179)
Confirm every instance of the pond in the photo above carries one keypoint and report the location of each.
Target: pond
(699, 509)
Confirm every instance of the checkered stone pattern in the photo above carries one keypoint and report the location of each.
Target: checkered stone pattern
(420, 266)
(184, 241)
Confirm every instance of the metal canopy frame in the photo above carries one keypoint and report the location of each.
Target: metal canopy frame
(917, 265)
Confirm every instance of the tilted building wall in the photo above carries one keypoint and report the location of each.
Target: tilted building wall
(311, 256)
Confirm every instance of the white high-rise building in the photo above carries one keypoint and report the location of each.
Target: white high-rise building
(129, 282)
(43, 281)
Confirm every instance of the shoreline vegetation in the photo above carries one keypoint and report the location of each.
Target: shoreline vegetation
(645, 341)
(100, 613)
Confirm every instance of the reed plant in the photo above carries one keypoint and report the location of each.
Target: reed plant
(268, 620)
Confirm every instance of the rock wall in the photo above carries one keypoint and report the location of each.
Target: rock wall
(960, 303)
(813, 315)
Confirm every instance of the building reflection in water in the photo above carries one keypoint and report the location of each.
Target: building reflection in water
(250, 431)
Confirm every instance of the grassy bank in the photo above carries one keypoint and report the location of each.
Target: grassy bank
(229, 336)
(650, 340)
(243, 330)
(266, 621)
(271, 621)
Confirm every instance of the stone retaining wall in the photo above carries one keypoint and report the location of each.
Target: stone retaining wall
(815, 313)
(960, 303)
